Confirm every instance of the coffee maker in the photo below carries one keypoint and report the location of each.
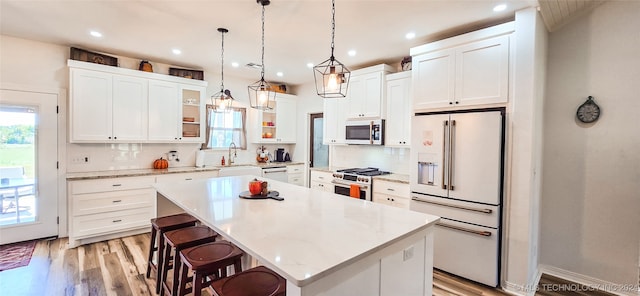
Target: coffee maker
(279, 154)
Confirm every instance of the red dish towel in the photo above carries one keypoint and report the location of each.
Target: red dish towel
(354, 191)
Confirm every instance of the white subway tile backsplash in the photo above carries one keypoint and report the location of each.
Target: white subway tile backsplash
(395, 160)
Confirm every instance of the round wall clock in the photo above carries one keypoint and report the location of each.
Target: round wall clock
(589, 111)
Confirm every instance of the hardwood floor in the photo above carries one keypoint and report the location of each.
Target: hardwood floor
(118, 267)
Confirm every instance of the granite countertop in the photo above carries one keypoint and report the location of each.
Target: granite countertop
(317, 232)
(397, 178)
(176, 170)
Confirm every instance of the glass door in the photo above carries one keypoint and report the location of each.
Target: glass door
(28, 166)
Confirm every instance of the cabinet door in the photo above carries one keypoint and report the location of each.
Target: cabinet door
(365, 96)
(335, 113)
(398, 122)
(193, 118)
(482, 72)
(164, 111)
(90, 100)
(433, 79)
(129, 108)
(285, 120)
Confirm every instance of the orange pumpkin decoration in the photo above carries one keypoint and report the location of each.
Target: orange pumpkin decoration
(160, 163)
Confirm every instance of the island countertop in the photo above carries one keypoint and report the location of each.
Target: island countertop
(305, 237)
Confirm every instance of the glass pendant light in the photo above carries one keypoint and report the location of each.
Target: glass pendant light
(222, 100)
(261, 94)
(331, 76)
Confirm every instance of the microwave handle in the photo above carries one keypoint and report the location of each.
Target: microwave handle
(371, 132)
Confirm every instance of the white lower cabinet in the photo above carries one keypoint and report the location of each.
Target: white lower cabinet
(102, 209)
(295, 174)
(106, 207)
(391, 193)
(321, 181)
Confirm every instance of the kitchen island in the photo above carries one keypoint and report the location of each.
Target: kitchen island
(320, 242)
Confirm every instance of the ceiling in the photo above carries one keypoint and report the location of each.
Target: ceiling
(297, 32)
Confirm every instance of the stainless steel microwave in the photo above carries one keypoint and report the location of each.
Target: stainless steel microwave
(365, 132)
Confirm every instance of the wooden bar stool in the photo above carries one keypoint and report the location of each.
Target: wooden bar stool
(158, 227)
(208, 260)
(255, 281)
(178, 240)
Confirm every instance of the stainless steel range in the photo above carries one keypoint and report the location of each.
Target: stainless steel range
(358, 178)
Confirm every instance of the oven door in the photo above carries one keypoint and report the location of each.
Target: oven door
(345, 189)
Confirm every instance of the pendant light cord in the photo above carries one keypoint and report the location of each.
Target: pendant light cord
(222, 66)
(262, 73)
(333, 26)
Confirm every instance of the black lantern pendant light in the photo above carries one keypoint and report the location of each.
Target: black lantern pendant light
(261, 95)
(332, 77)
(222, 100)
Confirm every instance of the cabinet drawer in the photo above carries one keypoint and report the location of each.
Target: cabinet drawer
(111, 184)
(392, 200)
(294, 169)
(104, 223)
(84, 204)
(392, 188)
(328, 187)
(295, 179)
(186, 176)
(318, 176)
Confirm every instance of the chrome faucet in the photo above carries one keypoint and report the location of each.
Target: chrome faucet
(235, 152)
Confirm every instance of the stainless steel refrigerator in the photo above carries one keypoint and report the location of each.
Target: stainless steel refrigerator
(457, 162)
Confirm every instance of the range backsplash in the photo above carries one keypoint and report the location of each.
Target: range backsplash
(395, 160)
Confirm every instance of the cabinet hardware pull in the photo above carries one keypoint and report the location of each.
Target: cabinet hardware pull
(116, 221)
(116, 185)
(485, 211)
(188, 179)
(390, 189)
(116, 201)
(483, 233)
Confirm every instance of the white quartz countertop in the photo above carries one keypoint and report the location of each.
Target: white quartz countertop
(305, 237)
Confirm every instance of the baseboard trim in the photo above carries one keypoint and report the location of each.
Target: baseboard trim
(587, 280)
(515, 289)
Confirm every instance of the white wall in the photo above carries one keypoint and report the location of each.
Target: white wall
(590, 216)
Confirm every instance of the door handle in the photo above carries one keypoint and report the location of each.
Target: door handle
(452, 142)
(445, 124)
(477, 232)
(484, 211)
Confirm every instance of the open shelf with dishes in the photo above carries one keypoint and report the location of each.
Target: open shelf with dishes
(191, 111)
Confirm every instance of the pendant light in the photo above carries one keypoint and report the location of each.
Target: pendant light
(331, 76)
(222, 100)
(261, 94)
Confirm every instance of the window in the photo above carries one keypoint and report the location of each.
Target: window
(224, 127)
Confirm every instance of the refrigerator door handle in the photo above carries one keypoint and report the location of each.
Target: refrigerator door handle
(483, 233)
(452, 141)
(445, 124)
(484, 211)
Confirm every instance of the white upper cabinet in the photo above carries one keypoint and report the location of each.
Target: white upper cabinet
(277, 125)
(90, 102)
(366, 92)
(129, 108)
(398, 122)
(462, 71)
(164, 111)
(335, 115)
(111, 104)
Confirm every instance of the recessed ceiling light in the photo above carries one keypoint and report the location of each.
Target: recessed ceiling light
(310, 65)
(176, 51)
(280, 74)
(500, 7)
(352, 53)
(410, 35)
(95, 34)
(235, 65)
